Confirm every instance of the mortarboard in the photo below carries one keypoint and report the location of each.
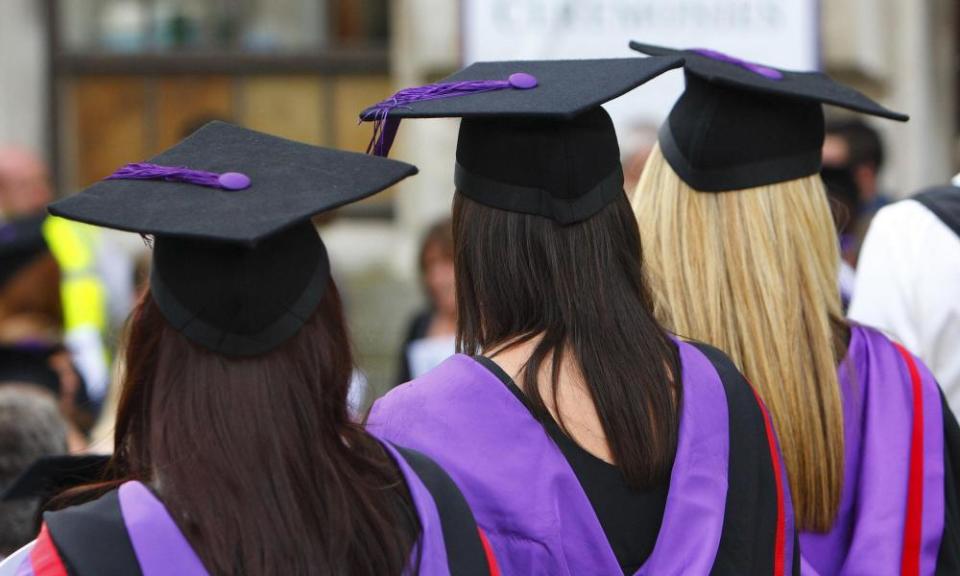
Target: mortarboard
(237, 266)
(29, 363)
(51, 475)
(21, 242)
(739, 124)
(533, 138)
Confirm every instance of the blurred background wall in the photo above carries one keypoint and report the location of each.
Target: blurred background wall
(93, 84)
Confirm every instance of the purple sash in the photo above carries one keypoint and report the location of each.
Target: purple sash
(868, 535)
(523, 492)
(157, 541)
(433, 553)
(162, 549)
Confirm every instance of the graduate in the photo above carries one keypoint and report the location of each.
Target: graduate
(743, 253)
(234, 451)
(587, 440)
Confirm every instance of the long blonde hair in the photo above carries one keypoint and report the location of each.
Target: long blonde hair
(754, 272)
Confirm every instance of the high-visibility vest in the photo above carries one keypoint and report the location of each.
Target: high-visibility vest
(82, 293)
(83, 297)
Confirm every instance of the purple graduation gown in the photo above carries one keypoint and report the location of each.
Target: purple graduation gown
(539, 521)
(139, 534)
(893, 511)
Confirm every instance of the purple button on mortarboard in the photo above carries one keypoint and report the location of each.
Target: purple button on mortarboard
(522, 80)
(233, 181)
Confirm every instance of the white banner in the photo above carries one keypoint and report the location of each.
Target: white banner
(782, 33)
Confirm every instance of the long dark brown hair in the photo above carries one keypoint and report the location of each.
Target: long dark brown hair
(257, 458)
(581, 288)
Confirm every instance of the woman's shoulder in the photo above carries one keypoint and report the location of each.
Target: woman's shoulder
(126, 530)
(451, 534)
(758, 512)
(873, 355)
(701, 361)
(447, 382)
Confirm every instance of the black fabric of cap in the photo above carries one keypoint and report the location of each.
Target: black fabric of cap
(50, 475)
(565, 88)
(239, 271)
(236, 300)
(550, 150)
(565, 170)
(290, 182)
(734, 127)
(21, 242)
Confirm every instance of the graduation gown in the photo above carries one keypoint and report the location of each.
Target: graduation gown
(728, 507)
(129, 531)
(898, 511)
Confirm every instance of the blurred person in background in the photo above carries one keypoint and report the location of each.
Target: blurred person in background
(431, 335)
(31, 427)
(31, 319)
(92, 273)
(844, 197)
(853, 157)
(743, 252)
(908, 280)
(637, 145)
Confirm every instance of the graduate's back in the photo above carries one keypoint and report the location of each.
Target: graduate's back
(563, 418)
(234, 448)
(744, 253)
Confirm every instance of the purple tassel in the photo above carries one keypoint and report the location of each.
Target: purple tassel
(385, 127)
(765, 71)
(147, 171)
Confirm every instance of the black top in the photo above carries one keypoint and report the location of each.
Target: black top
(418, 328)
(740, 124)
(630, 518)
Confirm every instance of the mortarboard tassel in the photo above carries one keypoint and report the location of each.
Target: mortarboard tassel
(148, 171)
(760, 69)
(385, 127)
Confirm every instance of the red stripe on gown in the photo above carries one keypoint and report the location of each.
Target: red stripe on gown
(488, 550)
(44, 557)
(780, 540)
(912, 529)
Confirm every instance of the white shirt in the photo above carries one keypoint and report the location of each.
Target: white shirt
(908, 285)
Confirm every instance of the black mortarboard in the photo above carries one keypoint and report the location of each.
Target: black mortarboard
(534, 138)
(29, 363)
(21, 242)
(50, 475)
(739, 124)
(237, 266)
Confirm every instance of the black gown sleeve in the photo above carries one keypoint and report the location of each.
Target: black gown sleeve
(466, 553)
(92, 538)
(948, 559)
(747, 542)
